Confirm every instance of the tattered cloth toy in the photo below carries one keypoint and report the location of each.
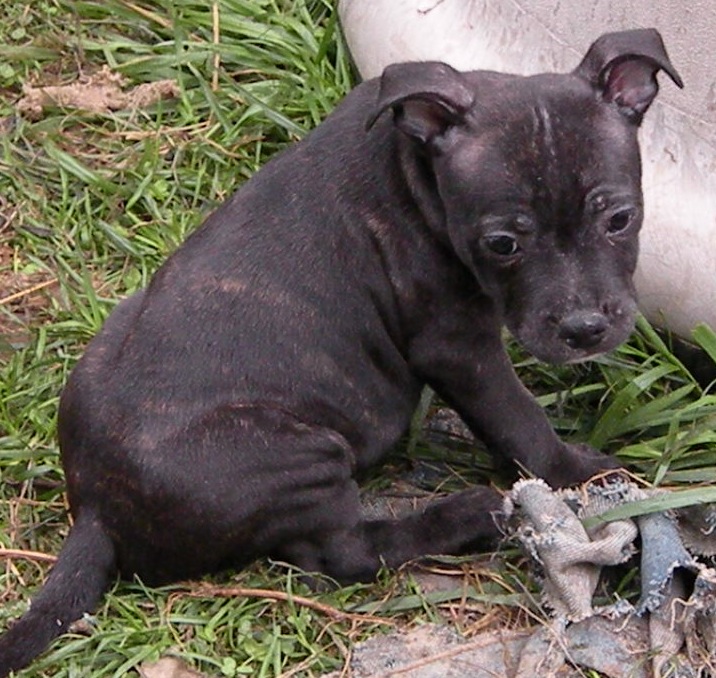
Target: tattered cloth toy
(678, 590)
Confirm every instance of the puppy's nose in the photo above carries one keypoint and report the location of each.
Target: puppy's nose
(583, 329)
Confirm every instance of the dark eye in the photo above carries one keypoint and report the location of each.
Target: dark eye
(502, 244)
(620, 221)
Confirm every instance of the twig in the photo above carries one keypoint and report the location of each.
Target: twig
(6, 219)
(30, 290)
(19, 554)
(328, 610)
(147, 14)
(217, 39)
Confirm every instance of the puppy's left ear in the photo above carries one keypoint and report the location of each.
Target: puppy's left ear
(623, 67)
(426, 98)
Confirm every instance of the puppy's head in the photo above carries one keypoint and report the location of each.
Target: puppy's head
(538, 180)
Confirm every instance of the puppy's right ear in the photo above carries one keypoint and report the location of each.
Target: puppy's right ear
(426, 98)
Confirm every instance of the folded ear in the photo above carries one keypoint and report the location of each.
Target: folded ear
(623, 66)
(426, 98)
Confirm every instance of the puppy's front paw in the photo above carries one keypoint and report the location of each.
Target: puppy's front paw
(576, 463)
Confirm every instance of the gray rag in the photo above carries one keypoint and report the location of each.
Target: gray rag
(569, 559)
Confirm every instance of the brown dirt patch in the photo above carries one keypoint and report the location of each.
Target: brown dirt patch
(23, 295)
(100, 92)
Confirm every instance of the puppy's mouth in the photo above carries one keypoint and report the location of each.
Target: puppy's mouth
(576, 338)
(560, 355)
(586, 357)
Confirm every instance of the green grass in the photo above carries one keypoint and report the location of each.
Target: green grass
(90, 205)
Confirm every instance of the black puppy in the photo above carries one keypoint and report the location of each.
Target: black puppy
(223, 413)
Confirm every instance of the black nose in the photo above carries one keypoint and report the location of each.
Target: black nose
(583, 329)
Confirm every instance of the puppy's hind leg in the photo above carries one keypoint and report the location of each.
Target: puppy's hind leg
(461, 523)
(280, 487)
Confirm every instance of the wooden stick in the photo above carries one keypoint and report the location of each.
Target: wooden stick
(241, 592)
(23, 293)
(217, 39)
(19, 554)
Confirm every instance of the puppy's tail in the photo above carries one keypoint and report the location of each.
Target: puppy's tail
(75, 585)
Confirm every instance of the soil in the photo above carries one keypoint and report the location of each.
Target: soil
(23, 296)
(100, 92)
